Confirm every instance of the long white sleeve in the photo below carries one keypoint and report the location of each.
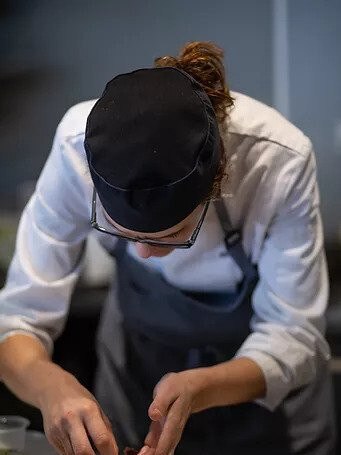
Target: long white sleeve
(290, 300)
(49, 246)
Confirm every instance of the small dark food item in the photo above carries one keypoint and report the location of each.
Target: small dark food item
(129, 451)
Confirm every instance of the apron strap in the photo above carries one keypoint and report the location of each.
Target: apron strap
(233, 241)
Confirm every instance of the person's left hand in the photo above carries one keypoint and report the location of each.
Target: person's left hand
(174, 401)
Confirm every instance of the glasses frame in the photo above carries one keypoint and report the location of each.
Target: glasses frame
(152, 242)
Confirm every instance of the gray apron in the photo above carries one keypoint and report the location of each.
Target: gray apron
(149, 328)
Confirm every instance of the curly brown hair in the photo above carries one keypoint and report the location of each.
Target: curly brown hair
(204, 62)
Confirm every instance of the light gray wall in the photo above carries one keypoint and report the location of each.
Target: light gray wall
(315, 89)
(56, 53)
(59, 52)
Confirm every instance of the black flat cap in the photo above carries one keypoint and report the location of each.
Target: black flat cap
(153, 148)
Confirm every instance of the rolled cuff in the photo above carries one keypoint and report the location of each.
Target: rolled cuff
(277, 384)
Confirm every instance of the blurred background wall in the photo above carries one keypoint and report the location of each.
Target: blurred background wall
(57, 53)
(314, 30)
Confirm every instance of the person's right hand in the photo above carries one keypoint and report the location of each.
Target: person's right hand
(74, 423)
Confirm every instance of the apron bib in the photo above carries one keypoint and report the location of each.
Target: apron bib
(150, 328)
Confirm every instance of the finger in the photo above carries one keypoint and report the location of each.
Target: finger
(68, 450)
(79, 439)
(59, 447)
(154, 434)
(164, 377)
(146, 451)
(55, 443)
(102, 438)
(165, 393)
(61, 442)
(173, 427)
(106, 421)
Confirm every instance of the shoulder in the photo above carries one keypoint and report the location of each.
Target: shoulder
(259, 123)
(74, 120)
(267, 156)
(68, 150)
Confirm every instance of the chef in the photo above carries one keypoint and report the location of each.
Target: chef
(212, 339)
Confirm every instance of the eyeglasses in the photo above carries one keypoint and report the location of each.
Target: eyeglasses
(153, 242)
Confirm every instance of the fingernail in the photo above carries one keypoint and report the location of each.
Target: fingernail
(156, 414)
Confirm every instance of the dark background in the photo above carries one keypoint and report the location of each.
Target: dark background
(54, 54)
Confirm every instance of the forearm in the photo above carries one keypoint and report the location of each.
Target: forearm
(26, 369)
(236, 381)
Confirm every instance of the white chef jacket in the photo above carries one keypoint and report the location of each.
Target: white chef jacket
(272, 196)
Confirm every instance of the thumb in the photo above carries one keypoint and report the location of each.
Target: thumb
(165, 394)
